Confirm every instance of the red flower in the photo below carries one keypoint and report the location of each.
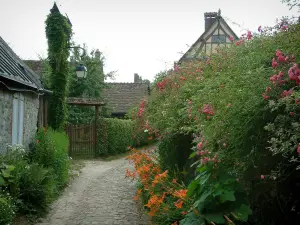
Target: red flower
(298, 149)
(281, 59)
(262, 177)
(200, 145)
(278, 53)
(266, 97)
(287, 93)
(274, 63)
(231, 38)
(249, 35)
(37, 141)
(292, 113)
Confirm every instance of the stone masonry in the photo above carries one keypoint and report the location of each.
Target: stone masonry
(31, 106)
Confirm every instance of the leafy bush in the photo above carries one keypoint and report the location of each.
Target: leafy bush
(37, 188)
(245, 138)
(164, 197)
(174, 152)
(114, 135)
(51, 151)
(7, 213)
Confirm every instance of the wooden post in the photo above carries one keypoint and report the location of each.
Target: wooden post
(70, 130)
(96, 123)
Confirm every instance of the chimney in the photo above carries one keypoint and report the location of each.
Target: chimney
(210, 18)
(137, 78)
(97, 54)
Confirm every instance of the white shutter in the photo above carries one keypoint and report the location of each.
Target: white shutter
(15, 119)
(21, 119)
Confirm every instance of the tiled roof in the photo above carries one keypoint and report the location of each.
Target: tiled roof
(121, 97)
(13, 68)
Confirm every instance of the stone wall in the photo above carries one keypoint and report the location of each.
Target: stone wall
(31, 106)
(6, 104)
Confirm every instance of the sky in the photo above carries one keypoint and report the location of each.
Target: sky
(135, 36)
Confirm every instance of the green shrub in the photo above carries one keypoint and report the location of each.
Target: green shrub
(37, 188)
(114, 136)
(174, 152)
(7, 213)
(223, 102)
(51, 151)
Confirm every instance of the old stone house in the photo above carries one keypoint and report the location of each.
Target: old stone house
(217, 33)
(23, 100)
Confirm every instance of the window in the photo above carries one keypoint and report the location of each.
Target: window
(17, 119)
(218, 39)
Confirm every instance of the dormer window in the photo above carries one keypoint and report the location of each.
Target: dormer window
(218, 39)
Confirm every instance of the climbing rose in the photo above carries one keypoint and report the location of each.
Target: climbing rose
(231, 38)
(287, 93)
(199, 145)
(262, 177)
(249, 35)
(274, 63)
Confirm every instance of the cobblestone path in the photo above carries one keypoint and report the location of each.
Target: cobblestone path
(100, 195)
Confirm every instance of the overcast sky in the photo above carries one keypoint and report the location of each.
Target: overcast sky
(136, 36)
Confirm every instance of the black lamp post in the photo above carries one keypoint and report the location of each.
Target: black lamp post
(81, 70)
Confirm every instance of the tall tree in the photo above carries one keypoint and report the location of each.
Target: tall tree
(58, 33)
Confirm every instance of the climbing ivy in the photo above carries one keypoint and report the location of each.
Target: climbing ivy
(58, 33)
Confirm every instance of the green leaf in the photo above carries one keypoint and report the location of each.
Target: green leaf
(191, 188)
(199, 204)
(2, 181)
(192, 219)
(192, 155)
(215, 217)
(227, 196)
(5, 173)
(10, 167)
(243, 212)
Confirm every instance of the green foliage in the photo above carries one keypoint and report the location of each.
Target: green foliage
(114, 136)
(90, 87)
(37, 188)
(7, 213)
(58, 33)
(217, 194)
(51, 151)
(174, 152)
(219, 102)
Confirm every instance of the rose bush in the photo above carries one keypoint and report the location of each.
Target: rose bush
(241, 107)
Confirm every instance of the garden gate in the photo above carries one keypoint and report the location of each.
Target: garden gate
(82, 140)
(83, 137)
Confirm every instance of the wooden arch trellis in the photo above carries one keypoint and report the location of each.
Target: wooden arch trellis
(83, 137)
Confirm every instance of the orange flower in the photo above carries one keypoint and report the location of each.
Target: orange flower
(178, 204)
(180, 193)
(184, 213)
(150, 138)
(174, 181)
(175, 223)
(160, 177)
(138, 194)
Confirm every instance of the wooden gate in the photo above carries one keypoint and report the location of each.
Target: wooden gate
(82, 140)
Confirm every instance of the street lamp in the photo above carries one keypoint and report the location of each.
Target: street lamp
(81, 70)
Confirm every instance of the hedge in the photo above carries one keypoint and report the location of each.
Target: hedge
(114, 136)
